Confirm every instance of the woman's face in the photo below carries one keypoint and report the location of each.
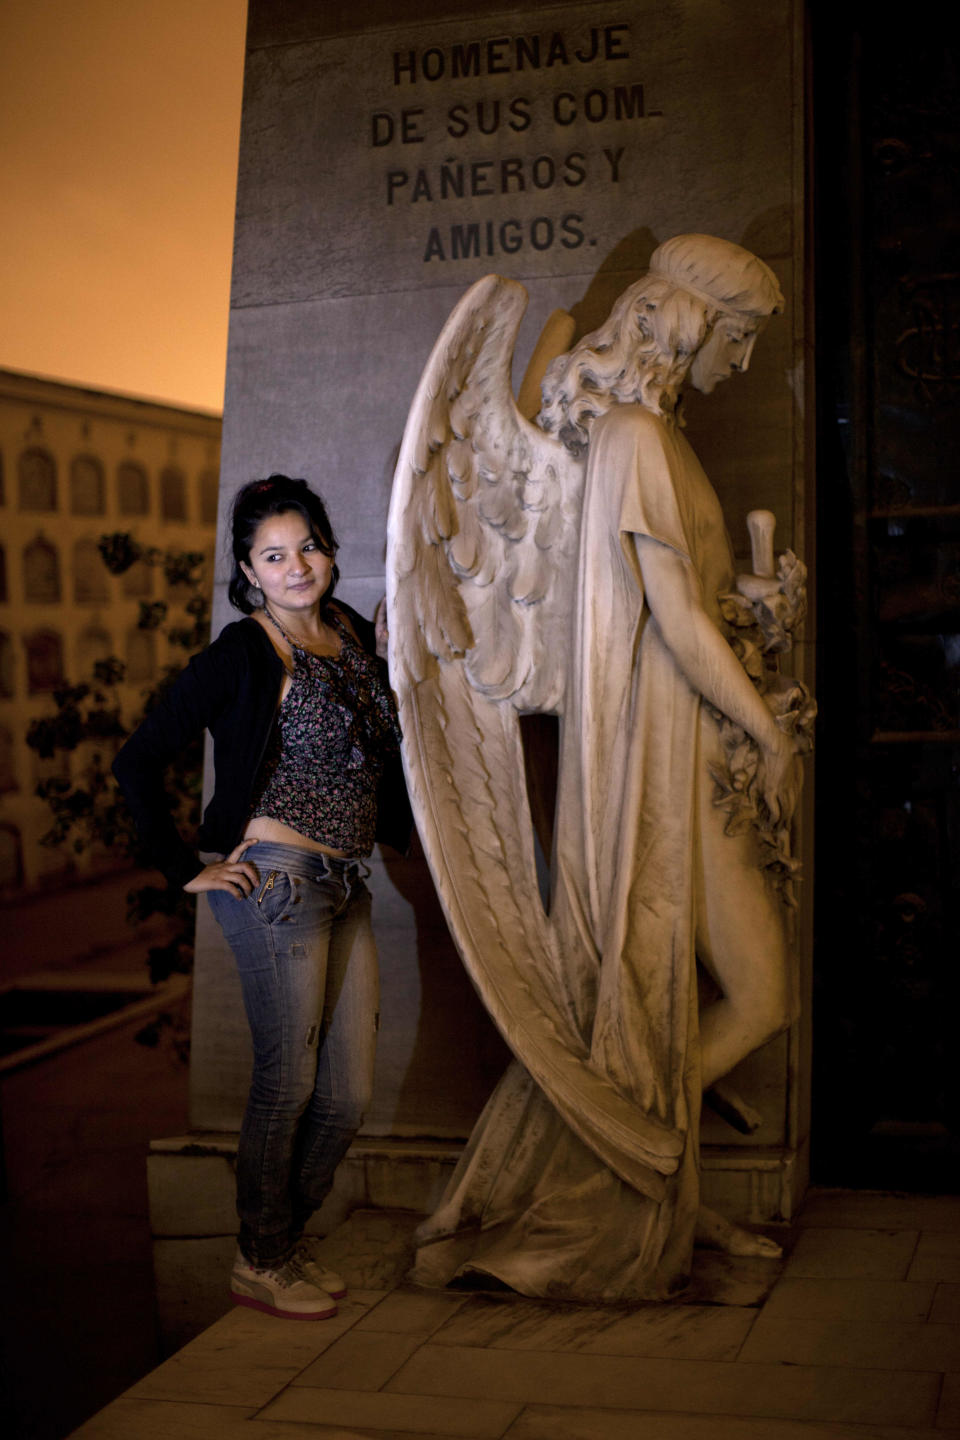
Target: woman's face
(726, 349)
(287, 563)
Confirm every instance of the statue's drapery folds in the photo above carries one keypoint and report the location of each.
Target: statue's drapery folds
(531, 570)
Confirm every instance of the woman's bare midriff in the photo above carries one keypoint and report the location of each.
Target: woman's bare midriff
(262, 827)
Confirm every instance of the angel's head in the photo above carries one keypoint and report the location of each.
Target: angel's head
(698, 310)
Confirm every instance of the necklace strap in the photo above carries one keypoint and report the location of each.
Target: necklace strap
(291, 641)
(275, 622)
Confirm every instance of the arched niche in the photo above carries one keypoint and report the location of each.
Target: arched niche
(91, 582)
(7, 682)
(133, 489)
(11, 857)
(93, 644)
(173, 493)
(44, 661)
(138, 580)
(51, 767)
(37, 479)
(8, 767)
(141, 655)
(41, 572)
(88, 495)
(209, 496)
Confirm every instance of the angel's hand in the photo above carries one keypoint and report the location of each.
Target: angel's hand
(779, 777)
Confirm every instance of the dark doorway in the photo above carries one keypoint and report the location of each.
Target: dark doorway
(886, 169)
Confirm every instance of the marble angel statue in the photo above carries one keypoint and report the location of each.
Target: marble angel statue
(578, 565)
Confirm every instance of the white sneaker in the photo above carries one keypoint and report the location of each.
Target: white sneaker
(315, 1270)
(285, 1290)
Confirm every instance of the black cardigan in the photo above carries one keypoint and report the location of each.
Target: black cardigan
(231, 689)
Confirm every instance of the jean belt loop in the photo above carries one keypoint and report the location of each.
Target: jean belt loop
(354, 873)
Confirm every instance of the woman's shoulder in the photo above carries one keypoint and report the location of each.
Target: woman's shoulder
(242, 635)
(239, 645)
(354, 625)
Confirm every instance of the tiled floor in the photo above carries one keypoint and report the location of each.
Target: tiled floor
(855, 1337)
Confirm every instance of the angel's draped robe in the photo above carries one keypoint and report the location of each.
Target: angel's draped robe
(529, 1202)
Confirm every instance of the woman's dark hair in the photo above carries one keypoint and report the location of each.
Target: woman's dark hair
(256, 502)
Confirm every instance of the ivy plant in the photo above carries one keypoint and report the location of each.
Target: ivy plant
(87, 809)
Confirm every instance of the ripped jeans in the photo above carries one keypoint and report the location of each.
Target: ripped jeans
(308, 969)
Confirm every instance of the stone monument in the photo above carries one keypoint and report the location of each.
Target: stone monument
(391, 154)
(579, 566)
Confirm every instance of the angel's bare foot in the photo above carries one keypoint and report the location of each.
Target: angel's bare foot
(718, 1233)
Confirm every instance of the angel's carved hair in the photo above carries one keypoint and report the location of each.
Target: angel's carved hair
(642, 351)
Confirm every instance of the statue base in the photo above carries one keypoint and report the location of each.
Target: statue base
(193, 1216)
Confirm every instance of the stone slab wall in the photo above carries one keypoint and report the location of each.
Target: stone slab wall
(390, 155)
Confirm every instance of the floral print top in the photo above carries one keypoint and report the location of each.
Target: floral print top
(335, 728)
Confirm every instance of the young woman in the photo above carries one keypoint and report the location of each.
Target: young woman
(306, 762)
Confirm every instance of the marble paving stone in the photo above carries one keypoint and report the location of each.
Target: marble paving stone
(412, 1312)
(854, 1254)
(359, 1362)
(245, 1358)
(915, 1346)
(553, 1422)
(876, 1300)
(418, 1414)
(367, 1298)
(295, 1432)
(690, 1332)
(870, 1210)
(697, 1386)
(946, 1304)
(165, 1419)
(372, 1249)
(686, 1332)
(377, 1432)
(937, 1256)
(948, 1413)
(731, 1279)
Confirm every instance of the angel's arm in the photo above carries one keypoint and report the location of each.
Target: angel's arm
(675, 597)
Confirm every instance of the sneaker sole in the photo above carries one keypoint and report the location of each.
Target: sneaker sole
(334, 1294)
(252, 1304)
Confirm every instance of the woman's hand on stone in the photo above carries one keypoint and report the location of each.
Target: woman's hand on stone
(234, 874)
(381, 628)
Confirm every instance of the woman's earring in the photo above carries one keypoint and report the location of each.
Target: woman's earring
(256, 594)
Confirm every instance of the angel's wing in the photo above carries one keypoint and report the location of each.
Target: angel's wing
(482, 555)
(485, 511)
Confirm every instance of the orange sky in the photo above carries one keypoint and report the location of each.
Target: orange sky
(119, 125)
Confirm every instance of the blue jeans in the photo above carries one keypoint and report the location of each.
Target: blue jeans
(308, 969)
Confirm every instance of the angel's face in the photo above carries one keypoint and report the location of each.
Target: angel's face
(287, 563)
(726, 349)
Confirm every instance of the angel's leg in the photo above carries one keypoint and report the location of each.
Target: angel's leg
(741, 942)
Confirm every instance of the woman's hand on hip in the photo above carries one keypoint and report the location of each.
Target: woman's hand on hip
(234, 874)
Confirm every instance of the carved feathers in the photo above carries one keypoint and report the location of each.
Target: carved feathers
(484, 517)
(481, 571)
